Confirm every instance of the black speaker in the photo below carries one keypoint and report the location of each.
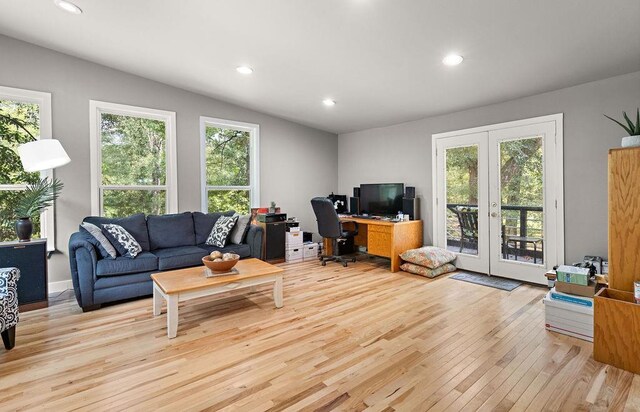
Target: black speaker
(274, 241)
(356, 192)
(410, 192)
(411, 207)
(354, 205)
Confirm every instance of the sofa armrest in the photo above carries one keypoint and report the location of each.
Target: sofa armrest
(83, 261)
(254, 240)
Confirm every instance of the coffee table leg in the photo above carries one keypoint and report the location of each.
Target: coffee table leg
(172, 316)
(157, 301)
(277, 291)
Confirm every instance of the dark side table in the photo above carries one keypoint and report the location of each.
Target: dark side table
(31, 259)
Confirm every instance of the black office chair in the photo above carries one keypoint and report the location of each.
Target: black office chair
(329, 226)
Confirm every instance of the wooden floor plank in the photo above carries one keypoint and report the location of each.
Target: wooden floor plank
(355, 338)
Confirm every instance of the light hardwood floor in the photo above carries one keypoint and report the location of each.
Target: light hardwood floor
(347, 339)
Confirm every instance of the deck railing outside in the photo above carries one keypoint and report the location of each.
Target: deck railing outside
(523, 221)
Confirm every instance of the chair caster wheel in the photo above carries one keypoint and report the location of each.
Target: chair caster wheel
(353, 260)
(324, 263)
(344, 264)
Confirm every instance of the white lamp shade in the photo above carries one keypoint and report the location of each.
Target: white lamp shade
(42, 154)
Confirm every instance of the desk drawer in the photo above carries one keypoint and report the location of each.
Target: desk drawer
(379, 243)
(380, 228)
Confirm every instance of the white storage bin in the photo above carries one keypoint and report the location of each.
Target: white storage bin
(294, 239)
(310, 251)
(568, 318)
(294, 254)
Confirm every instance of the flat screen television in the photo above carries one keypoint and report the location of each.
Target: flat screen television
(382, 199)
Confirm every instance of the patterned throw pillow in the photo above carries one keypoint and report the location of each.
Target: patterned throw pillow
(430, 273)
(221, 230)
(125, 244)
(428, 256)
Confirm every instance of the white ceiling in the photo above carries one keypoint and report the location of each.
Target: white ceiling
(379, 59)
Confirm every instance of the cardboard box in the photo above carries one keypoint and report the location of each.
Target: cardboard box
(573, 274)
(575, 289)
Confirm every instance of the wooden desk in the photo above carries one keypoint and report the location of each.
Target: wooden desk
(384, 238)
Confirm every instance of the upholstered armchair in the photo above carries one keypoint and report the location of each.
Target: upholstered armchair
(9, 305)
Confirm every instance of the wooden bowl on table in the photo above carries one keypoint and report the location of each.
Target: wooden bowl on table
(223, 265)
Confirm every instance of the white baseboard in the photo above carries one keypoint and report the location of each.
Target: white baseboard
(61, 286)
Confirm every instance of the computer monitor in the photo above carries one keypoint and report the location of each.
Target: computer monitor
(383, 199)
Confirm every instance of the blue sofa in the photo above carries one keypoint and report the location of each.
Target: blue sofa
(168, 242)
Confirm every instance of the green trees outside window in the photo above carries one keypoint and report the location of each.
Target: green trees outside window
(19, 123)
(134, 170)
(228, 169)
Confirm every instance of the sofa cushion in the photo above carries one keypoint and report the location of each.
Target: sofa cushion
(135, 224)
(243, 250)
(179, 257)
(121, 265)
(167, 231)
(204, 223)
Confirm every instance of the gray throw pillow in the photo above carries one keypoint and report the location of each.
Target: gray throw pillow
(122, 240)
(96, 232)
(221, 230)
(240, 229)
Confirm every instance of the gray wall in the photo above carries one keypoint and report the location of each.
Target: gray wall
(402, 153)
(296, 162)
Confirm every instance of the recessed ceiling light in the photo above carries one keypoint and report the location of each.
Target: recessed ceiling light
(68, 6)
(244, 69)
(329, 102)
(452, 60)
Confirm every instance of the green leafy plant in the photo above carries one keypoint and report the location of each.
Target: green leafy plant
(37, 197)
(630, 127)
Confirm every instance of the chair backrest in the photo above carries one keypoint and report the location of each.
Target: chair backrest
(327, 217)
(468, 218)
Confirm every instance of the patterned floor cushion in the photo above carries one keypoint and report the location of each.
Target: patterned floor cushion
(428, 256)
(424, 271)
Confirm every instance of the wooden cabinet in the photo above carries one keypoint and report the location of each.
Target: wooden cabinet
(616, 339)
(624, 218)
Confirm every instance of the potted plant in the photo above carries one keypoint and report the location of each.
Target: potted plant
(633, 129)
(272, 208)
(32, 202)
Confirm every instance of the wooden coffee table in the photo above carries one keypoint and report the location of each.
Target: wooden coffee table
(180, 285)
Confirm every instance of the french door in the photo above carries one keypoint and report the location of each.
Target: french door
(498, 198)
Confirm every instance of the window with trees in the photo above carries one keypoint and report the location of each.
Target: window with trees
(133, 160)
(230, 154)
(25, 116)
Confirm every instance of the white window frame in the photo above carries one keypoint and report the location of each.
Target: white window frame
(254, 160)
(43, 100)
(96, 108)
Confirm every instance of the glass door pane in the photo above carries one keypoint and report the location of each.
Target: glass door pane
(521, 181)
(461, 182)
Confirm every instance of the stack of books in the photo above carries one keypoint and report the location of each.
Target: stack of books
(569, 305)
